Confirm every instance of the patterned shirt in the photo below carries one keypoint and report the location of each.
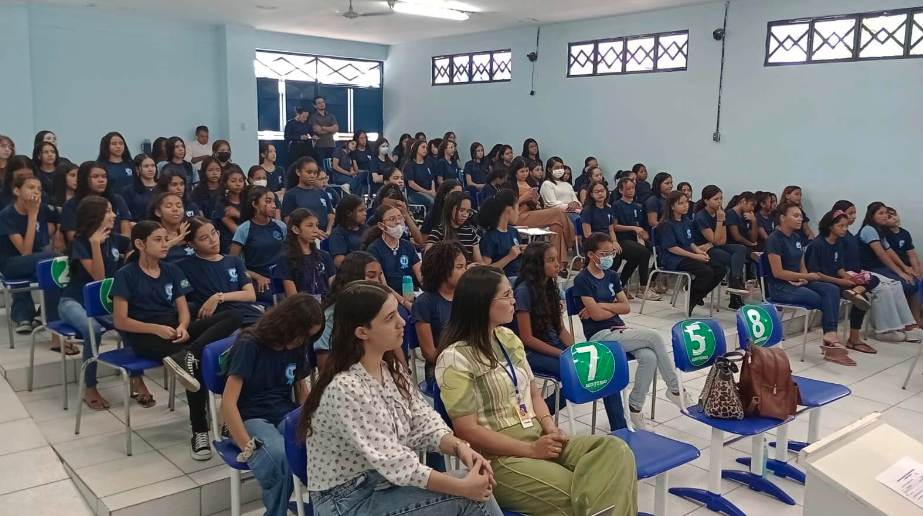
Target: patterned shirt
(470, 386)
(362, 425)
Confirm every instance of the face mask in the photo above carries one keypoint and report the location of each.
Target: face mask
(395, 232)
(224, 157)
(605, 262)
(557, 173)
(260, 182)
(383, 149)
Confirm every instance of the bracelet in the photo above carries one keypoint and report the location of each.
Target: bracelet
(543, 417)
(220, 297)
(457, 442)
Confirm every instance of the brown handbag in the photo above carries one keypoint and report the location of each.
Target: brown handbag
(766, 385)
(720, 397)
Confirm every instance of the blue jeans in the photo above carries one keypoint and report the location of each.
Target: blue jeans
(360, 497)
(414, 197)
(23, 307)
(816, 294)
(270, 466)
(73, 313)
(910, 289)
(359, 183)
(548, 365)
(731, 256)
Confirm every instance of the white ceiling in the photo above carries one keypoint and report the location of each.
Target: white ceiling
(320, 18)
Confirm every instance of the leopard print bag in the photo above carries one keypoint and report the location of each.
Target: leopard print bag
(720, 397)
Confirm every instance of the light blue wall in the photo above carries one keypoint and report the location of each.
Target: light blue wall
(16, 119)
(835, 129)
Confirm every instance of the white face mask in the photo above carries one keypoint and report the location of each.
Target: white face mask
(557, 173)
(383, 149)
(395, 231)
(260, 182)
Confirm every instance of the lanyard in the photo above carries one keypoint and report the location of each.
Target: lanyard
(512, 371)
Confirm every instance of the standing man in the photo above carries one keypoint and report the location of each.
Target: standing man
(199, 149)
(300, 136)
(325, 126)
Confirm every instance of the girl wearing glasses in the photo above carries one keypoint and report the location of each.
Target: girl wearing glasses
(396, 255)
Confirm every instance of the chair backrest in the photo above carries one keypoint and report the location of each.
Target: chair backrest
(295, 451)
(52, 274)
(573, 304)
(411, 340)
(578, 227)
(328, 165)
(325, 245)
(275, 283)
(211, 367)
(762, 270)
(759, 325)
(593, 370)
(439, 406)
(97, 298)
(480, 197)
(697, 343)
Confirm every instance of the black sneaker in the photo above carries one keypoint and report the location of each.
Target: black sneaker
(736, 302)
(225, 433)
(200, 447)
(183, 365)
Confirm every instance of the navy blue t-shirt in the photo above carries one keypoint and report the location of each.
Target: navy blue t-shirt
(207, 278)
(311, 198)
(138, 200)
(823, 257)
(804, 220)
(448, 170)
(477, 171)
(12, 222)
(119, 175)
(701, 222)
(789, 248)
(269, 377)
(488, 191)
(767, 224)
(524, 304)
(733, 219)
(81, 249)
(419, 173)
(275, 179)
(433, 309)
(599, 219)
(178, 252)
(603, 290)
(653, 204)
(363, 158)
(206, 201)
(333, 198)
(395, 265)
(867, 257)
(69, 213)
(642, 191)
(343, 159)
(261, 244)
(149, 297)
(316, 272)
(496, 245)
(344, 241)
(901, 242)
(676, 233)
(851, 252)
(627, 214)
(378, 166)
(223, 230)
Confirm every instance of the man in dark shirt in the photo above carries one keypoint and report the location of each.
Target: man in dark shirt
(325, 127)
(300, 135)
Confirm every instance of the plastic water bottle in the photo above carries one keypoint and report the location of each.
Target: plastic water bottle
(407, 288)
(765, 456)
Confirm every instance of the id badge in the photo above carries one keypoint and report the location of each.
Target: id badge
(524, 418)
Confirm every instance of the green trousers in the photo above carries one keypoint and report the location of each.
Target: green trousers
(591, 474)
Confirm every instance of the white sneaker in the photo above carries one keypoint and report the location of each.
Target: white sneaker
(890, 336)
(638, 421)
(687, 399)
(914, 335)
(345, 187)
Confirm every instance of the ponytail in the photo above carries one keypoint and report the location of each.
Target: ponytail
(141, 231)
(707, 193)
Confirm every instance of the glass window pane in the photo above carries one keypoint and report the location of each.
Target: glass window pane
(788, 43)
(833, 39)
(672, 51)
(480, 67)
(580, 59)
(610, 57)
(441, 70)
(916, 35)
(503, 66)
(460, 71)
(883, 36)
(639, 54)
(272, 65)
(349, 72)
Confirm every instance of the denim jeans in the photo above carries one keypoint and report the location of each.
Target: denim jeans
(910, 289)
(73, 313)
(414, 197)
(651, 353)
(23, 268)
(731, 256)
(270, 466)
(361, 496)
(816, 294)
(337, 178)
(359, 183)
(548, 365)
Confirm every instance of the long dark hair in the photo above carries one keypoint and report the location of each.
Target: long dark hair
(707, 193)
(869, 219)
(439, 201)
(359, 305)
(762, 197)
(492, 209)
(350, 270)
(104, 149)
(548, 166)
(195, 224)
(158, 152)
(223, 183)
(157, 201)
(829, 220)
(291, 248)
(447, 218)
(390, 191)
(136, 178)
(546, 311)
(589, 201)
(254, 194)
(525, 149)
(17, 162)
(474, 152)
(470, 320)
(201, 188)
(288, 322)
(517, 163)
(658, 181)
(346, 209)
(787, 190)
(141, 231)
(83, 182)
(59, 183)
(37, 155)
(842, 205)
(90, 215)
(666, 217)
(375, 232)
(164, 180)
(439, 263)
(411, 156)
(746, 196)
(171, 147)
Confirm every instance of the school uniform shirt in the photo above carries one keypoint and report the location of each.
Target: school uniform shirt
(733, 219)
(224, 232)
(449, 170)
(419, 173)
(466, 235)
(183, 170)
(626, 214)
(496, 245)
(378, 166)
(433, 309)
(867, 257)
(675, 233)
(642, 191)
(261, 244)
(316, 271)
(333, 198)
(14, 223)
(69, 213)
(275, 179)
(149, 298)
(603, 290)
(46, 178)
(82, 249)
(178, 252)
(653, 204)
(395, 264)
(598, 218)
(524, 304)
(344, 160)
(138, 199)
(363, 158)
(823, 257)
(477, 171)
(851, 252)
(119, 175)
(268, 376)
(206, 201)
(344, 241)
(901, 242)
(207, 278)
(767, 224)
(7, 198)
(488, 191)
(311, 198)
(789, 248)
(701, 222)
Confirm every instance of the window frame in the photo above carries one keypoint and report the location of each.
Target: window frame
(492, 72)
(909, 12)
(655, 54)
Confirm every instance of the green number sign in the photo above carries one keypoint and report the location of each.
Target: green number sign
(759, 324)
(699, 341)
(105, 294)
(595, 365)
(60, 272)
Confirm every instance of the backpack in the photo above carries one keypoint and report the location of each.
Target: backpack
(766, 385)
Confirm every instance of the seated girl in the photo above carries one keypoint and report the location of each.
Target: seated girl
(151, 312)
(594, 175)
(257, 176)
(302, 266)
(558, 193)
(308, 194)
(600, 292)
(377, 469)
(531, 214)
(381, 161)
(259, 238)
(219, 283)
(454, 226)
(476, 170)
(643, 189)
(494, 181)
(539, 324)
(709, 233)
(443, 264)
(790, 281)
(396, 255)
(433, 215)
(226, 216)
(677, 251)
(139, 194)
(501, 245)
(168, 211)
(630, 239)
(765, 215)
(65, 186)
(793, 195)
(393, 176)
(348, 226)
(265, 365)
(489, 392)
(92, 180)
(173, 181)
(205, 192)
(740, 222)
(418, 173)
(447, 166)
(655, 203)
(392, 195)
(343, 166)
(902, 243)
(333, 194)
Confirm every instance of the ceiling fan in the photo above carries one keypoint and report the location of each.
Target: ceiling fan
(351, 14)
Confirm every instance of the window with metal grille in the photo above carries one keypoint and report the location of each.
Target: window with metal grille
(474, 67)
(892, 34)
(662, 52)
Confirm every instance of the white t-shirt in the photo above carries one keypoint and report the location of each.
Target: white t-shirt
(195, 149)
(557, 194)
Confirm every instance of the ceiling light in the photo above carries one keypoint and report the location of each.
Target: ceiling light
(429, 11)
(267, 7)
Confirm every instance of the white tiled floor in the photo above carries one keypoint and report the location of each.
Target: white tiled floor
(37, 434)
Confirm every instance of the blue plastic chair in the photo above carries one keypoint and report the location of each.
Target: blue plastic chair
(697, 343)
(752, 322)
(683, 276)
(412, 341)
(97, 300)
(325, 245)
(655, 455)
(10, 287)
(763, 269)
(296, 454)
(276, 287)
(52, 274)
(916, 357)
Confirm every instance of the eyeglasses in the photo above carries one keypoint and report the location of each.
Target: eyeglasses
(507, 296)
(605, 255)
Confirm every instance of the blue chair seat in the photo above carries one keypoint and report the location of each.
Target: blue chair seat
(12, 283)
(427, 389)
(62, 328)
(127, 359)
(795, 305)
(229, 452)
(815, 393)
(511, 513)
(655, 454)
(746, 426)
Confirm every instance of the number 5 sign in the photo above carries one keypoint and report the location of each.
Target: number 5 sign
(594, 364)
(699, 341)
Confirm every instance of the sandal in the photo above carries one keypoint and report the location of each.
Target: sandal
(861, 347)
(857, 300)
(69, 350)
(145, 400)
(836, 354)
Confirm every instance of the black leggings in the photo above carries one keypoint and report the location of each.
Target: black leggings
(201, 333)
(706, 276)
(635, 256)
(856, 316)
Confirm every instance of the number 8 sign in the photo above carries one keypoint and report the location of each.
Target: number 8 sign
(759, 324)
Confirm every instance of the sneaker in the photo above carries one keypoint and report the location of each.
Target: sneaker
(890, 336)
(36, 322)
(687, 399)
(225, 433)
(183, 365)
(736, 302)
(638, 421)
(914, 335)
(345, 187)
(200, 448)
(651, 295)
(24, 328)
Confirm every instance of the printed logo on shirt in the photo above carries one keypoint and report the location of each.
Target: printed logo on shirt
(115, 254)
(405, 261)
(324, 202)
(38, 227)
(798, 245)
(636, 213)
(127, 171)
(232, 275)
(688, 233)
(277, 235)
(168, 290)
(290, 374)
(189, 251)
(836, 256)
(190, 213)
(612, 289)
(515, 241)
(901, 244)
